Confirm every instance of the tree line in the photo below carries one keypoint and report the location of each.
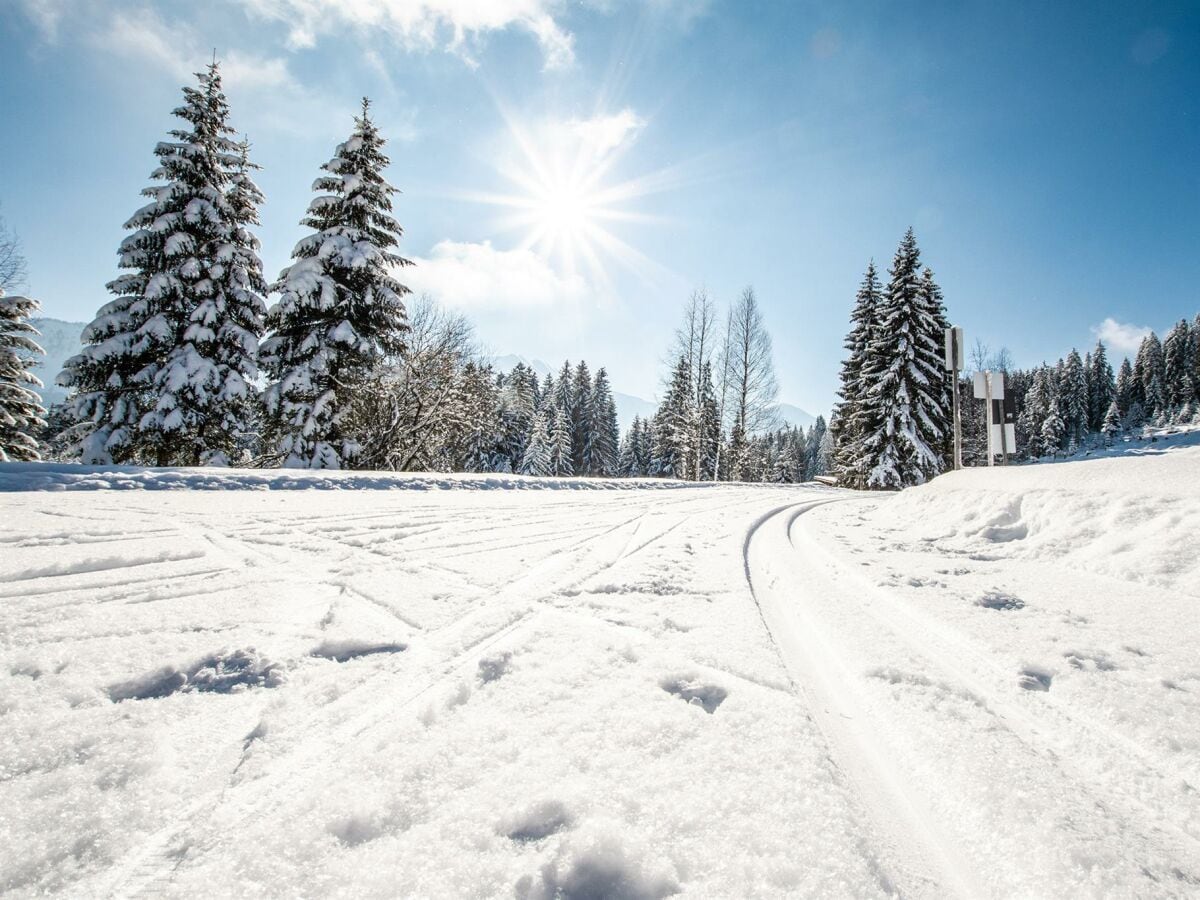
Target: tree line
(1079, 404)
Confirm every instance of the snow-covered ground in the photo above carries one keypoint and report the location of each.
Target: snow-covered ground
(984, 687)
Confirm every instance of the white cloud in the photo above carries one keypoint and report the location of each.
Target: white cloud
(1123, 337)
(424, 24)
(478, 277)
(603, 134)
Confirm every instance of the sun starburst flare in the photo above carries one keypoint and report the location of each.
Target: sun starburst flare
(561, 202)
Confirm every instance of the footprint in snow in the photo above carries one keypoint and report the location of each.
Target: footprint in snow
(1035, 678)
(695, 692)
(999, 600)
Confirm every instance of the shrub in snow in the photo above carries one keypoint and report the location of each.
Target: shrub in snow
(166, 367)
(340, 310)
(21, 412)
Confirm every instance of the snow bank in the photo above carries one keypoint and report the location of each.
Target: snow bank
(1135, 517)
(72, 477)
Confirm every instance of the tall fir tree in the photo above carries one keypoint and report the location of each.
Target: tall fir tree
(340, 308)
(603, 451)
(1177, 366)
(1147, 368)
(903, 366)
(674, 427)
(561, 463)
(536, 458)
(708, 416)
(21, 411)
(1196, 356)
(166, 367)
(1124, 386)
(1074, 398)
(855, 414)
(1101, 387)
(583, 421)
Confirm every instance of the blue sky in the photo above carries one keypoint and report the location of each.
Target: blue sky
(571, 171)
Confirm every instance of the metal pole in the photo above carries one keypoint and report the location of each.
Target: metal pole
(1003, 428)
(957, 423)
(987, 405)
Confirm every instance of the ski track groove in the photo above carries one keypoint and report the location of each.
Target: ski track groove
(955, 659)
(150, 870)
(917, 856)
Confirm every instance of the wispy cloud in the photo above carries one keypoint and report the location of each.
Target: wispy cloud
(1124, 337)
(453, 25)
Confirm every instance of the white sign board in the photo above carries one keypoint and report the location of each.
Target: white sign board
(1010, 434)
(997, 385)
(954, 349)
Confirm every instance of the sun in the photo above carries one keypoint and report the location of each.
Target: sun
(562, 199)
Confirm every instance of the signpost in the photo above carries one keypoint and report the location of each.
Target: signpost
(954, 364)
(1001, 413)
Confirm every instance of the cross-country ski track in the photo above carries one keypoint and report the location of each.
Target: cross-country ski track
(747, 691)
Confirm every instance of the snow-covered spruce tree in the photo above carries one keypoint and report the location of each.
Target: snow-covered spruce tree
(536, 458)
(560, 444)
(1147, 368)
(823, 462)
(627, 454)
(1054, 430)
(1177, 366)
(583, 421)
(563, 393)
(1111, 426)
(813, 442)
(519, 406)
(1196, 355)
(853, 415)
(1074, 398)
(1033, 416)
(475, 434)
(939, 388)
(674, 428)
(604, 447)
(904, 368)
(165, 367)
(21, 412)
(1101, 388)
(340, 309)
(708, 414)
(1124, 386)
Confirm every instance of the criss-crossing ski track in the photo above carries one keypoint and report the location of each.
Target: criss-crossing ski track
(853, 654)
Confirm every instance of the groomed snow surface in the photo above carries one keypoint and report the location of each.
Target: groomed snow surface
(987, 686)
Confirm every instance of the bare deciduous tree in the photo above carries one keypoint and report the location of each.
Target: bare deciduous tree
(752, 380)
(400, 413)
(12, 261)
(695, 341)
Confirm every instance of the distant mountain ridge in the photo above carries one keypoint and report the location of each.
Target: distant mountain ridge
(61, 340)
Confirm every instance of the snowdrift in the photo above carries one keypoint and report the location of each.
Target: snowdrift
(72, 477)
(1132, 517)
